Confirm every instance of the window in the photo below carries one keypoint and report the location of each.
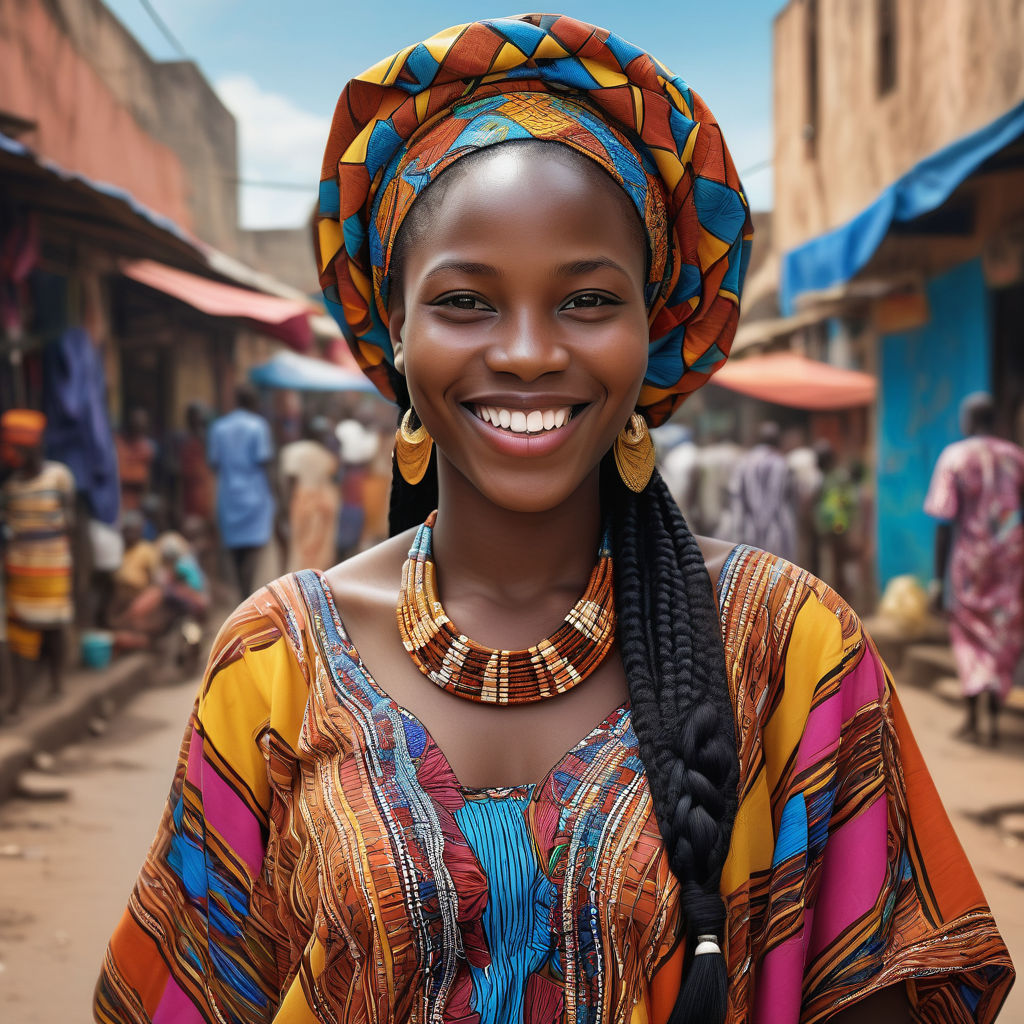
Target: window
(886, 45)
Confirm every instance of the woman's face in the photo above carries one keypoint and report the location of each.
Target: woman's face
(520, 323)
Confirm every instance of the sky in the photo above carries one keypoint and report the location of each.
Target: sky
(279, 66)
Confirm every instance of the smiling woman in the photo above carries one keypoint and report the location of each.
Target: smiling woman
(392, 803)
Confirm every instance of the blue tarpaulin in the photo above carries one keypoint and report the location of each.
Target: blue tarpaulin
(835, 257)
(303, 373)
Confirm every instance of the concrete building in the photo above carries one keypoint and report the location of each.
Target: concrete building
(82, 92)
(899, 221)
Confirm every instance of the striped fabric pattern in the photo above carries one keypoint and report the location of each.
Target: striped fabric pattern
(37, 555)
(318, 859)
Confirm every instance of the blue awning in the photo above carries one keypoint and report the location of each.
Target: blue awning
(304, 373)
(835, 257)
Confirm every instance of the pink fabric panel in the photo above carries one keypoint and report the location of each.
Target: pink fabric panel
(852, 873)
(225, 812)
(176, 1007)
(824, 725)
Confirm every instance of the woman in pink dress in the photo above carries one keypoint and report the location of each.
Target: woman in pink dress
(977, 489)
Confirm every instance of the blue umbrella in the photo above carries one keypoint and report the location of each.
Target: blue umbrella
(303, 373)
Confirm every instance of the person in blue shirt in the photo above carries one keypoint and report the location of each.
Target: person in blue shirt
(240, 452)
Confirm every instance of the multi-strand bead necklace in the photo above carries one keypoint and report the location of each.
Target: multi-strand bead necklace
(470, 670)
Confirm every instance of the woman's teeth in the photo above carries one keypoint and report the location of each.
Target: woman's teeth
(524, 421)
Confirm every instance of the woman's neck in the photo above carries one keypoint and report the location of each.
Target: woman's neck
(511, 558)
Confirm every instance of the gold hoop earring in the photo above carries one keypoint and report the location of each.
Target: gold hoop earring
(412, 448)
(634, 453)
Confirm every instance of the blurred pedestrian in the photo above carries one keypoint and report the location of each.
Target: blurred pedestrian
(359, 446)
(679, 467)
(807, 478)
(139, 563)
(836, 519)
(977, 493)
(310, 493)
(37, 512)
(136, 455)
(762, 496)
(194, 484)
(240, 452)
(716, 463)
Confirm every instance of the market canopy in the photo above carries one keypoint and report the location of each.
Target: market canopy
(303, 373)
(287, 319)
(834, 257)
(787, 378)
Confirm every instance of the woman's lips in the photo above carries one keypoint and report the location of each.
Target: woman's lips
(510, 442)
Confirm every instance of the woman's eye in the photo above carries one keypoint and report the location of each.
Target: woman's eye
(590, 300)
(462, 301)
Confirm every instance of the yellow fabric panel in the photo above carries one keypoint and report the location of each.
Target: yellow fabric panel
(710, 249)
(602, 74)
(385, 71)
(233, 711)
(815, 648)
(332, 239)
(549, 48)
(509, 56)
(753, 838)
(439, 45)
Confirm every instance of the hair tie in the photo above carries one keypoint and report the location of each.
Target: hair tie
(707, 944)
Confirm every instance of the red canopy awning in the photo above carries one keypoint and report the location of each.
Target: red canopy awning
(787, 378)
(287, 319)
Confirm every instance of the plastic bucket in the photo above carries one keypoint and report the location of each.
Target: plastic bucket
(97, 648)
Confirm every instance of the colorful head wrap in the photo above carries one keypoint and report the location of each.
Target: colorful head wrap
(400, 124)
(22, 427)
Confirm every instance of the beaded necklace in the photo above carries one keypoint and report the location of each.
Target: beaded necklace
(467, 669)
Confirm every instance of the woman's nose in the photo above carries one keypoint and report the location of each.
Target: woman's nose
(528, 347)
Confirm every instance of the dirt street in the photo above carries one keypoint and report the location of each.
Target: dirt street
(66, 866)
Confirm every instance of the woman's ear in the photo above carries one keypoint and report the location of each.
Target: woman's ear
(396, 331)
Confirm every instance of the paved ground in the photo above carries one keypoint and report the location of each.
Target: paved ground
(66, 866)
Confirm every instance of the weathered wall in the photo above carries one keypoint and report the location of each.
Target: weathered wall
(924, 375)
(284, 253)
(80, 122)
(105, 109)
(960, 64)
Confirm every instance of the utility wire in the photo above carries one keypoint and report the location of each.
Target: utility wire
(761, 165)
(162, 25)
(293, 186)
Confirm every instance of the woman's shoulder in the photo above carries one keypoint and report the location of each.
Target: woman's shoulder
(366, 583)
(773, 609)
(267, 640)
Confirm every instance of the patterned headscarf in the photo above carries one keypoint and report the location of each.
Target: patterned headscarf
(400, 124)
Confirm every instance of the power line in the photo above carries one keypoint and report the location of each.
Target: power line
(293, 186)
(761, 165)
(162, 25)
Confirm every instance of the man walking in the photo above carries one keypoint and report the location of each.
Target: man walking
(240, 451)
(977, 493)
(762, 497)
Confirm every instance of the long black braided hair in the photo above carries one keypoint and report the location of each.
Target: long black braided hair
(671, 646)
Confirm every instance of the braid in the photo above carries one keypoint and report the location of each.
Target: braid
(669, 635)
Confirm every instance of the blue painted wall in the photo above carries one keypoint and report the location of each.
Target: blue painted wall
(924, 374)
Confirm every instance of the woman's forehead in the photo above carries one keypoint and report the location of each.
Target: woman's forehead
(542, 188)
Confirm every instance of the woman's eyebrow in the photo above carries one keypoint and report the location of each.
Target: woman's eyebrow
(462, 267)
(588, 266)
